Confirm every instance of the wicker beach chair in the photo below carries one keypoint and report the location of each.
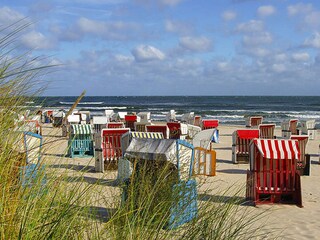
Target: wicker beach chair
(308, 127)
(289, 128)
(254, 121)
(266, 131)
(273, 177)
(240, 144)
(303, 164)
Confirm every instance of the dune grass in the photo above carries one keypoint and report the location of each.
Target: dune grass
(62, 209)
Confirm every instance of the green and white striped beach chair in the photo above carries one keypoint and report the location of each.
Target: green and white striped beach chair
(80, 141)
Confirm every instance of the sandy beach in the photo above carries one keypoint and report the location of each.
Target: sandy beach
(284, 221)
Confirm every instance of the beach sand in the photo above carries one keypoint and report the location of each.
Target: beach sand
(284, 221)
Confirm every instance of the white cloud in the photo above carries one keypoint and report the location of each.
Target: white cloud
(196, 43)
(170, 2)
(229, 15)
(35, 40)
(313, 19)
(313, 41)
(251, 26)
(265, 11)
(299, 8)
(278, 67)
(177, 27)
(301, 57)
(9, 16)
(257, 39)
(144, 53)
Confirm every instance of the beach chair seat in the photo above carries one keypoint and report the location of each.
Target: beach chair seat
(204, 162)
(253, 121)
(130, 120)
(141, 126)
(174, 130)
(289, 128)
(266, 131)
(272, 177)
(80, 142)
(179, 155)
(158, 128)
(303, 164)
(308, 127)
(240, 144)
(111, 146)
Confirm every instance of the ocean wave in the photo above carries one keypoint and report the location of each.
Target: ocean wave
(82, 103)
(30, 102)
(102, 108)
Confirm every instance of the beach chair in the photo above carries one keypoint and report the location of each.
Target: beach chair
(171, 116)
(204, 138)
(145, 117)
(115, 125)
(273, 177)
(197, 121)
(129, 121)
(192, 131)
(111, 146)
(240, 144)
(32, 171)
(85, 117)
(204, 162)
(266, 131)
(156, 153)
(124, 166)
(289, 128)
(209, 124)
(99, 122)
(33, 126)
(254, 121)
(80, 142)
(109, 113)
(188, 118)
(308, 127)
(303, 164)
(57, 118)
(158, 128)
(141, 126)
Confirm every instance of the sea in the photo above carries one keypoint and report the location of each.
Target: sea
(228, 109)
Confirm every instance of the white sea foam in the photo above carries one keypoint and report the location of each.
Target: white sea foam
(82, 103)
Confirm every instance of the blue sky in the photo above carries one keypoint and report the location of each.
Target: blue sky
(173, 47)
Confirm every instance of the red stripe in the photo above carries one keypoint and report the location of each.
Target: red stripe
(270, 149)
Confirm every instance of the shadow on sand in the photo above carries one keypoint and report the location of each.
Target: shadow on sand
(224, 199)
(79, 168)
(91, 180)
(233, 171)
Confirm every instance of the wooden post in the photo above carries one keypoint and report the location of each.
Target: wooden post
(99, 165)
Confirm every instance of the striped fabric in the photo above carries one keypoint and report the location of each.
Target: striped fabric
(278, 149)
(81, 129)
(153, 135)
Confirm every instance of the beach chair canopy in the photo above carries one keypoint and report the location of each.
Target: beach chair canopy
(204, 138)
(154, 135)
(248, 134)
(278, 149)
(177, 152)
(81, 129)
(210, 123)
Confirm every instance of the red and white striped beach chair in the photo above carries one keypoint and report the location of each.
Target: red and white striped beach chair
(209, 123)
(267, 131)
(115, 125)
(111, 145)
(240, 144)
(159, 128)
(273, 177)
(130, 120)
(303, 164)
(254, 121)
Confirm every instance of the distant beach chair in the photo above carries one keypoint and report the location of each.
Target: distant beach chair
(254, 121)
(174, 130)
(99, 122)
(171, 116)
(188, 118)
(204, 138)
(303, 164)
(32, 169)
(209, 124)
(308, 127)
(130, 120)
(273, 177)
(197, 121)
(109, 113)
(289, 128)
(240, 144)
(145, 117)
(111, 146)
(204, 162)
(115, 125)
(267, 131)
(156, 154)
(192, 130)
(85, 117)
(80, 142)
(141, 126)
(158, 128)
(57, 118)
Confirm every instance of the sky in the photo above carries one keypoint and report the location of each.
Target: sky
(172, 47)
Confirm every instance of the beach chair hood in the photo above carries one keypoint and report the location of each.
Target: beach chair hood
(83, 129)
